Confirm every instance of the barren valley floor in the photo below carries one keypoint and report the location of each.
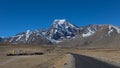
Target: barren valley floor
(53, 57)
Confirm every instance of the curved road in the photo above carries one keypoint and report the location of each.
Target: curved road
(88, 62)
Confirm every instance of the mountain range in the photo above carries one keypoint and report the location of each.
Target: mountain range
(63, 32)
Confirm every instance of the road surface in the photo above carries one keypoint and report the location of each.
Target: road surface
(88, 62)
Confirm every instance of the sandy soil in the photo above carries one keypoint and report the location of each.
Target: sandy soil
(53, 57)
(66, 61)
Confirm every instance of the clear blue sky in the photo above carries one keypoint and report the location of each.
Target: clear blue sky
(20, 15)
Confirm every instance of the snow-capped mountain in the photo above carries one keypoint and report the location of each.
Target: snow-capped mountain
(62, 30)
(28, 37)
(20, 37)
(96, 36)
(113, 28)
(89, 30)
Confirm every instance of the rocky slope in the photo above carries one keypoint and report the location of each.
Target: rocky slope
(104, 36)
(28, 37)
(0, 39)
(62, 31)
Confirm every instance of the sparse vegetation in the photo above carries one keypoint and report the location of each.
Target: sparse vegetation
(53, 56)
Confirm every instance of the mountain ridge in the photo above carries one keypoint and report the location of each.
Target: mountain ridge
(61, 30)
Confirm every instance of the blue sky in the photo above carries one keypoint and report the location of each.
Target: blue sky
(19, 15)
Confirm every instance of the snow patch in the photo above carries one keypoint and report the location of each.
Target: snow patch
(20, 36)
(11, 40)
(71, 25)
(90, 32)
(54, 41)
(27, 34)
(55, 31)
(60, 21)
(110, 31)
(116, 28)
(86, 35)
(43, 33)
(68, 37)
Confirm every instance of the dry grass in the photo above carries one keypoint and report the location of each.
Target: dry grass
(53, 57)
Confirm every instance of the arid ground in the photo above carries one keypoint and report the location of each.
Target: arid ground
(53, 57)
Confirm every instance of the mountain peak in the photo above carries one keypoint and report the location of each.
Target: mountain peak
(60, 21)
(61, 29)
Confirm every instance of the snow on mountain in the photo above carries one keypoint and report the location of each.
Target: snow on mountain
(111, 27)
(89, 33)
(89, 30)
(20, 37)
(62, 22)
(110, 30)
(61, 29)
(28, 37)
(27, 34)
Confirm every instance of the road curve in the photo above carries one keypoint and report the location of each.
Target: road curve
(82, 61)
